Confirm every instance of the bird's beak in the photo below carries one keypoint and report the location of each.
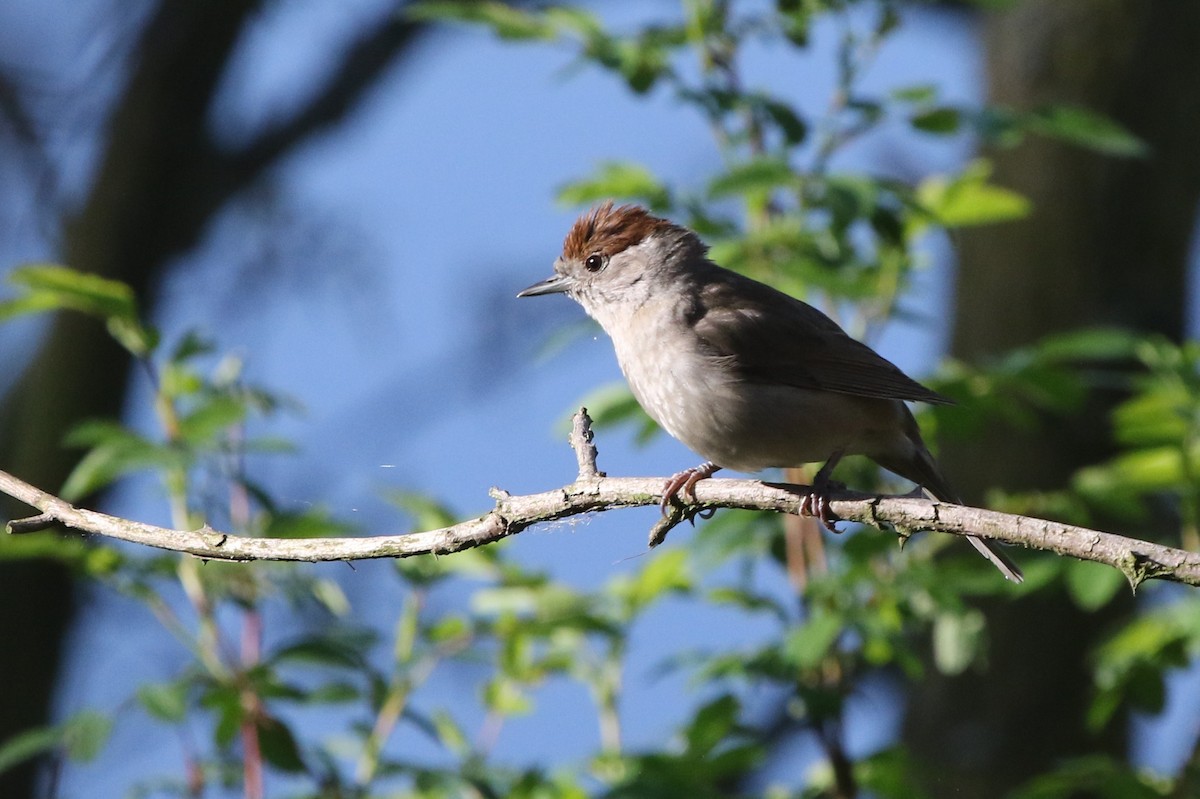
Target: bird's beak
(551, 285)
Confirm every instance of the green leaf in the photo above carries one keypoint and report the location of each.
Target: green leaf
(1087, 129)
(133, 335)
(279, 747)
(27, 304)
(1131, 666)
(920, 94)
(81, 738)
(1005, 127)
(517, 599)
(1158, 417)
(338, 648)
(957, 638)
(27, 745)
(640, 60)
(427, 513)
(1097, 776)
(712, 724)
(621, 180)
(179, 380)
(968, 199)
(333, 693)
(944, 120)
(52, 287)
(312, 523)
(1137, 471)
(758, 175)
(85, 734)
(1000, 127)
(211, 418)
(795, 18)
(479, 563)
(449, 733)
(102, 432)
(1092, 585)
(116, 451)
(575, 20)
(1090, 344)
(790, 124)
(449, 628)
(504, 20)
(714, 101)
(808, 645)
(331, 596)
(798, 260)
(99, 563)
(226, 702)
(747, 600)
(666, 572)
(77, 291)
(850, 198)
(890, 774)
(165, 701)
(191, 345)
(504, 696)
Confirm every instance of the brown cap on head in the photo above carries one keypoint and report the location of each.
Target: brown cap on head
(609, 230)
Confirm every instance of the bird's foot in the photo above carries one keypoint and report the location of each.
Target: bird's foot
(682, 487)
(816, 503)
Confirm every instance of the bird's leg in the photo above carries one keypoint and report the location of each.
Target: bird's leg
(686, 480)
(817, 502)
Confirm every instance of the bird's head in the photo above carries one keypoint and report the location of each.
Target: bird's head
(620, 255)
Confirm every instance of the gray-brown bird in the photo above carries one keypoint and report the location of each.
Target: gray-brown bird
(743, 374)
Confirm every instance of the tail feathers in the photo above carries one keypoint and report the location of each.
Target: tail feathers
(992, 552)
(923, 470)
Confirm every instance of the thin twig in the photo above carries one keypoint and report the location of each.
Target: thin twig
(1138, 560)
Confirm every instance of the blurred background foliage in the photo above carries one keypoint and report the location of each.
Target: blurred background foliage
(1078, 399)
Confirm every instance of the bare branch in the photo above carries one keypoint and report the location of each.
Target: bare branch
(1137, 560)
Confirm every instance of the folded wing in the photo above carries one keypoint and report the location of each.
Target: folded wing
(770, 337)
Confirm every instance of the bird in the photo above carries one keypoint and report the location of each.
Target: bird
(746, 376)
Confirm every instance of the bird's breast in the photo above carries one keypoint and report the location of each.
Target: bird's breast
(665, 369)
(685, 390)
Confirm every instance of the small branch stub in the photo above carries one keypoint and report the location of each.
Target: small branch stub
(30, 524)
(582, 441)
(665, 524)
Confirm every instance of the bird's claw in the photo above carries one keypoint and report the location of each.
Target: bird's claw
(816, 504)
(682, 486)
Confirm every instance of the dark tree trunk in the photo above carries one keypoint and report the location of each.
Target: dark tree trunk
(134, 219)
(160, 180)
(1106, 245)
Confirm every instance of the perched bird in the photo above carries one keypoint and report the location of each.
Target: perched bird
(743, 374)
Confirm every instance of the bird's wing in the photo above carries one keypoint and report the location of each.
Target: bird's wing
(770, 337)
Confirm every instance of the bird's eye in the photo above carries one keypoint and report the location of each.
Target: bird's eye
(594, 262)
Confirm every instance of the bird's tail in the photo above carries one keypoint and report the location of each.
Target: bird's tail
(992, 551)
(923, 470)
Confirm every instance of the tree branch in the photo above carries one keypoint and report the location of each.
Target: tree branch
(593, 492)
